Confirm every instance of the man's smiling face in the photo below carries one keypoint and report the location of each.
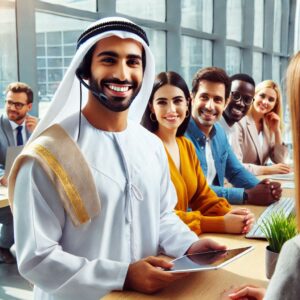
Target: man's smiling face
(237, 109)
(208, 104)
(117, 70)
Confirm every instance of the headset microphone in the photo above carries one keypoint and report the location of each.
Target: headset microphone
(98, 95)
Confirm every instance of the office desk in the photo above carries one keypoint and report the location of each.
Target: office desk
(249, 269)
(208, 285)
(3, 196)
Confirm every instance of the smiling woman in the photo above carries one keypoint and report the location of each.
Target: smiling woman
(167, 116)
(259, 134)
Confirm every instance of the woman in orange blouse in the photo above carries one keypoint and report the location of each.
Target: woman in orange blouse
(167, 115)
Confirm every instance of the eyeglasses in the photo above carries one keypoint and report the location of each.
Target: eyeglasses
(236, 96)
(17, 105)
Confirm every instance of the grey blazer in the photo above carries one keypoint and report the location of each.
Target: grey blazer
(6, 139)
(247, 148)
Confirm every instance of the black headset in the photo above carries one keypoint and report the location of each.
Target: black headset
(83, 72)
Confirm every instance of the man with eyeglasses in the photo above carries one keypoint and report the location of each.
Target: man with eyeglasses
(240, 100)
(16, 125)
(211, 89)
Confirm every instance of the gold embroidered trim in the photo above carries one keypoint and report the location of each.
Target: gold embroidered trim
(68, 186)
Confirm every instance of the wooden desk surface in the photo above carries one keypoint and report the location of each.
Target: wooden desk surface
(249, 269)
(208, 285)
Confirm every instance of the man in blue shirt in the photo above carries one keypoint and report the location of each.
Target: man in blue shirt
(210, 92)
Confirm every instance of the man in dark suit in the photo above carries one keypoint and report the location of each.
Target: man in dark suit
(16, 126)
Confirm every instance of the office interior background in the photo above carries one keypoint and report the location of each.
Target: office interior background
(257, 37)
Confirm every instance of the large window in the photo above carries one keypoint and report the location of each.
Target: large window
(233, 60)
(157, 41)
(234, 20)
(184, 35)
(257, 66)
(197, 14)
(146, 9)
(277, 25)
(258, 22)
(89, 5)
(195, 54)
(55, 46)
(8, 49)
(276, 69)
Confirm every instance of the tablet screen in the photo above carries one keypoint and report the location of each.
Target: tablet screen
(207, 260)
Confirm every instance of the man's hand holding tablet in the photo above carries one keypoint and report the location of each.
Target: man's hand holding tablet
(209, 260)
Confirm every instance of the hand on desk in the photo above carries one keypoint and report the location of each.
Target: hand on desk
(239, 220)
(280, 168)
(265, 192)
(246, 292)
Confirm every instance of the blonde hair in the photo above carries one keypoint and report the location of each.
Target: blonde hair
(293, 93)
(278, 105)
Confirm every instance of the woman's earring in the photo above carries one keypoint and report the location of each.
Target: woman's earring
(187, 114)
(152, 117)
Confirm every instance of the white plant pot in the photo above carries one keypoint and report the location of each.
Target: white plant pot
(271, 260)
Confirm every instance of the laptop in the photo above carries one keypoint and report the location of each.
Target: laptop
(11, 153)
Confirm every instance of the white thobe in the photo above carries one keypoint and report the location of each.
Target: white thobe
(137, 219)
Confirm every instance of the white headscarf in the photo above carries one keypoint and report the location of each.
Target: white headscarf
(66, 100)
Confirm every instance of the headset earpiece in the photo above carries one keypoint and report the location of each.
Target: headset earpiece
(83, 71)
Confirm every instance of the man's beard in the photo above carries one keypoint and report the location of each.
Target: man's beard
(16, 116)
(116, 104)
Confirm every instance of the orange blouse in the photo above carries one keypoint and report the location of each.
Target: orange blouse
(193, 193)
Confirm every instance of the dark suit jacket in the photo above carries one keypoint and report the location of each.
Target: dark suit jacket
(6, 138)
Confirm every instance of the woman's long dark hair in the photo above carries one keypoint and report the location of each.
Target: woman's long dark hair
(162, 79)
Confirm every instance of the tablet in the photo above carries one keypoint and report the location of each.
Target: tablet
(204, 261)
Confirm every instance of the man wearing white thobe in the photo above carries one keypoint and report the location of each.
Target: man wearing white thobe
(129, 168)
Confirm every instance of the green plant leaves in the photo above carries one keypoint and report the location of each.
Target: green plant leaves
(278, 229)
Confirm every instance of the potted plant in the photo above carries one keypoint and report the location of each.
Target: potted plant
(278, 228)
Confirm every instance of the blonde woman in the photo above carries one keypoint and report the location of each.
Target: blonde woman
(285, 281)
(259, 134)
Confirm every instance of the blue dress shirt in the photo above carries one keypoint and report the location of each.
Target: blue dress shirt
(226, 163)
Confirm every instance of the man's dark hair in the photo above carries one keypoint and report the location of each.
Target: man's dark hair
(213, 74)
(20, 87)
(162, 79)
(243, 77)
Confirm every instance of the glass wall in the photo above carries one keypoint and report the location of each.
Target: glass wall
(55, 47)
(184, 35)
(8, 49)
(197, 14)
(233, 60)
(276, 70)
(157, 41)
(89, 5)
(234, 20)
(146, 9)
(195, 54)
(257, 67)
(277, 25)
(259, 6)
